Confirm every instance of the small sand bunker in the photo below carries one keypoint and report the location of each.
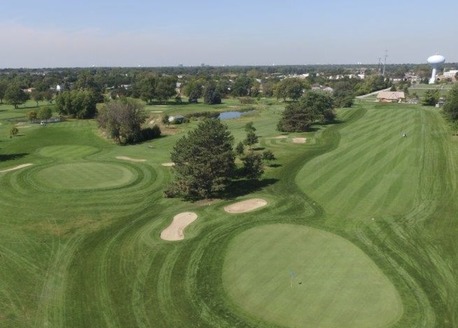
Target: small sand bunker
(16, 167)
(245, 206)
(168, 164)
(299, 140)
(131, 159)
(280, 137)
(175, 230)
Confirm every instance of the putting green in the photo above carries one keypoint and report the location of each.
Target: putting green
(298, 276)
(84, 176)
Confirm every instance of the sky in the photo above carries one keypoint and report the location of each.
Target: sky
(82, 33)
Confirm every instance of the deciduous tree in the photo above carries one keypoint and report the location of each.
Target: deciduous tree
(77, 103)
(14, 95)
(451, 104)
(311, 108)
(122, 120)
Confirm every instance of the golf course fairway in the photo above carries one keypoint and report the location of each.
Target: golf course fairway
(359, 227)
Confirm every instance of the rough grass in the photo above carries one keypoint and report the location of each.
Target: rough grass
(94, 258)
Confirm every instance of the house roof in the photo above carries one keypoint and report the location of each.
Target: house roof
(391, 95)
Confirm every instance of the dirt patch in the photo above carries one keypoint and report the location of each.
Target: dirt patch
(16, 167)
(131, 159)
(299, 140)
(175, 231)
(246, 205)
(168, 164)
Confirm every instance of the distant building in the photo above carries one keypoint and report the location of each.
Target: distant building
(451, 74)
(391, 96)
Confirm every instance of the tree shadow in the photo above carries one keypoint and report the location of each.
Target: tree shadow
(244, 187)
(274, 165)
(10, 157)
(258, 148)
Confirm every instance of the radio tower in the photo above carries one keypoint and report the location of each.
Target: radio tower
(384, 62)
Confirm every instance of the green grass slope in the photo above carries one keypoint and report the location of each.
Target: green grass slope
(83, 249)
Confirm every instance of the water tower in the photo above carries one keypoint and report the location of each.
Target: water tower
(435, 61)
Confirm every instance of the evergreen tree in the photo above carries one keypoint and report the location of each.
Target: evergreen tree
(204, 161)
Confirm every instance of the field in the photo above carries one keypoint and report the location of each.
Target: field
(360, 229)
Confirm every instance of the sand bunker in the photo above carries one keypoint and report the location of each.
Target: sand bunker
(299, 140)
(280, 137)
(168, 164)
(131, 159)
(175, 230)
(16, 167)
(245, 206)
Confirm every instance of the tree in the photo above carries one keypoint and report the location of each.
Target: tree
(45, 113)
(311, 108)
(165, 88)
(239, 149)
(249, 127)
(147, 88)
(14, 95)
(3, 87)
(122, 120)
(204, 161)
(193, 90)
(77, 103)
(14, 131)
(32, 115)
(344, 93)
(37, 96)
(211, 94)
(430, 98)
(251, 139)
(242, 86)
(253, 167)
(292, 88)
(268, 156)
(451, 104)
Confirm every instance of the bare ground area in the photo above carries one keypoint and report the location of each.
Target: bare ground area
(168, 164)
(16, 167)
(131, 159)
(245, 206)
(299, 140)
(175, 231)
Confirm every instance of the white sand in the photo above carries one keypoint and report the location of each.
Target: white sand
(168, 164)
(300, 140)
(131, 159)
(16, 167)
(175, 230)
(245, 206)
(280, 137)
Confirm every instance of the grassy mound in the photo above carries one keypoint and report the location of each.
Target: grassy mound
(303, 277)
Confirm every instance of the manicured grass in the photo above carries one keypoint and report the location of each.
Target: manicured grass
(79, 229)
(83, 176)
(297, 276)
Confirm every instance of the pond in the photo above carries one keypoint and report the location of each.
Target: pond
(231, 115)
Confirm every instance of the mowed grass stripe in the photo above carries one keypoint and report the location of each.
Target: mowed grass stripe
(382, 160)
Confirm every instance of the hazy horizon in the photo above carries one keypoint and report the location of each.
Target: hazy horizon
(100, 33)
